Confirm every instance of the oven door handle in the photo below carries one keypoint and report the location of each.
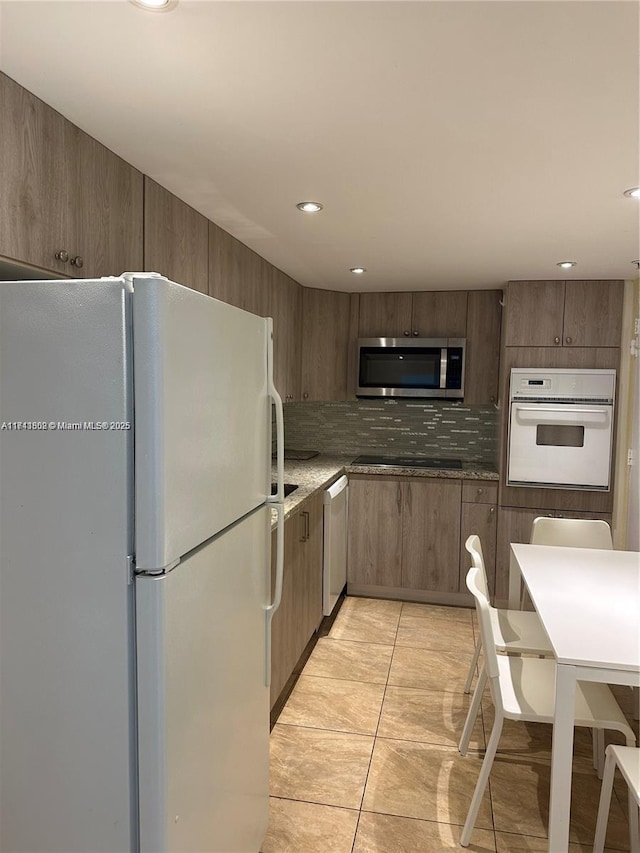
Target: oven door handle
(563, 414)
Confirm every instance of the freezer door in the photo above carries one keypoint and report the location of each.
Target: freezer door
(203, 707)
(203, 418)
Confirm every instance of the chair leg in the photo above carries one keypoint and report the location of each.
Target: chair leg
(472, 714)
(472, 668)
(483, 778)
(605, 803)
(599, 733)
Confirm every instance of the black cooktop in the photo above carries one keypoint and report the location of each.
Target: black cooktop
(408, 462)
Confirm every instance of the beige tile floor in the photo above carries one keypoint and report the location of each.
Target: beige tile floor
(364, 756)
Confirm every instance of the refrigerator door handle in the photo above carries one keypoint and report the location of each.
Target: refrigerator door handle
(277, 402)
(277, 593)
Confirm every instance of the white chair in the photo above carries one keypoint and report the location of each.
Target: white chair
(572, 532)
(576, 533)
(524, 689)
(514, 631)
(627, 758)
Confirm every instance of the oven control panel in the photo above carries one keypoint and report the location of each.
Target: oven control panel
(563, 384)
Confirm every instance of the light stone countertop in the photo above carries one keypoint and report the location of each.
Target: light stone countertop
(323, 470)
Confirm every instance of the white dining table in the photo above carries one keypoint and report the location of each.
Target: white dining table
(589, 603)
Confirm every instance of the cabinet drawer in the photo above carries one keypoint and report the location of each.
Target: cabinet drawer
(479, 491)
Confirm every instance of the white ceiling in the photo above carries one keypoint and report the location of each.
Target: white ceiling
(453, 144)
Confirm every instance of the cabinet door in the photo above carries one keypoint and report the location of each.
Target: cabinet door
(176, 238)
(481, 519)
(283, 624)
(285, 306)
(325, 344)
(107, 197)
(484, 316)
(385, 315)
(431, 534)
(534, 313)
(375, 532)
(237, 275)
(593, 313)
(311, 576)
(440, 314)
(35, 208)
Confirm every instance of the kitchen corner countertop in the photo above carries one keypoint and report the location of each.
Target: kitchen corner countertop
(321, 471)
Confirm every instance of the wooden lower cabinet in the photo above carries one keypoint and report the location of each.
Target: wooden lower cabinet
(300, 611)
(514, 525)
(404, 537)
(481, 519)
(375, 532)
(431, 534)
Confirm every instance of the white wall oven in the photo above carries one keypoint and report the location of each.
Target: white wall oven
(561, 428)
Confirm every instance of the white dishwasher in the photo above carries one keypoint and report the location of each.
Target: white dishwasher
(335, 543)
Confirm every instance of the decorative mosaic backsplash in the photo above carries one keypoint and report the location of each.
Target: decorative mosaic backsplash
(434, 428)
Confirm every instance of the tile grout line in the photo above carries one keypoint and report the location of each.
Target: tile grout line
(375, 736)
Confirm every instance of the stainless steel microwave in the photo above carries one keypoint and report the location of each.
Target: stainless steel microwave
(413, 367)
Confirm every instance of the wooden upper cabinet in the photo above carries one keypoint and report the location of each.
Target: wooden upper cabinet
(325, 344)
(237, 275)
(440, 314)
(428, 314)
(564, 313)
(285, 306)
(484, 317)
(107, 208)
(593, 313)
(35, 209)
(534, 313)
(68, 204)
(385, 315)
(176, 238)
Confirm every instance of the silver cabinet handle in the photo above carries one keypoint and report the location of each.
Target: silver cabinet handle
(556, 340)
(407, 333)
(304, 515)
(77, 262)
(492, 510)
(305, 396)
(62, 255)
(568, 340)
(416, 334)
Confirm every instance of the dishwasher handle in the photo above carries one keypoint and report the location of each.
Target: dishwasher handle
(335, 489)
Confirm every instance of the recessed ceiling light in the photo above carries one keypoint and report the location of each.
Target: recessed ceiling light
(634, 192)
(357, 270)
(309, 206)
(566, 265)
(155, 5)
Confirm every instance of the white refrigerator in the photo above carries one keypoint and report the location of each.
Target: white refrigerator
(135, 578)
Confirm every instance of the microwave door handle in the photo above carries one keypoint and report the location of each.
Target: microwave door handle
(443, 367)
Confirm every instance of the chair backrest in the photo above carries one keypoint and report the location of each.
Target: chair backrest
(477, 587)
(572, 532)
(474, 547)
